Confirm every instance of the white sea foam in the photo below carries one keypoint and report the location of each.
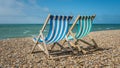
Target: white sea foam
(34, 35)
(26, 31)
(5, 39)
(107, 28)
(45, 30)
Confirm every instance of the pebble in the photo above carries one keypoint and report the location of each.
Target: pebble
(0, 65)
(9, 56)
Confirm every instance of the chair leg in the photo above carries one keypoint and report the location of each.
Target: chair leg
(46, 50)
(45, 47)
(69, 45)
(95, 44)
(72, 44)
(44, 44)
(75, 46)
(53, 46)
(63, 42)
(60, 45)
(79, 48)
(33, 48)
(85, 42)
(76, 42)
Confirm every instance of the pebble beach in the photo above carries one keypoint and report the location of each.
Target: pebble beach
(15, 53)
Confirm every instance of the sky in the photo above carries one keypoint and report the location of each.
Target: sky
(36, 11)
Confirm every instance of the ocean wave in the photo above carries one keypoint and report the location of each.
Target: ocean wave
(34, 35)
(45, 30)
(111, 27)
(108, 28)
(26, 31)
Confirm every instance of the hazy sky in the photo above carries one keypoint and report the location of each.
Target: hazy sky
(35, 11)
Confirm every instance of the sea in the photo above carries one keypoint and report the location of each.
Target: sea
(30, 30)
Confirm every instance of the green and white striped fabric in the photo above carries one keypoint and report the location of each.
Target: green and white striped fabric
(84, 26)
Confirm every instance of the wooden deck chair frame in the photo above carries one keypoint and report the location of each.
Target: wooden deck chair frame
(76, 40)
(44, 47)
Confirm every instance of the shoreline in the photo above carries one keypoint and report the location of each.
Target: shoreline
(15, 52)
(33, 36)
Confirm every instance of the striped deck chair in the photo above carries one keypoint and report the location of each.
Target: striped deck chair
(58, 29)
(84, 27)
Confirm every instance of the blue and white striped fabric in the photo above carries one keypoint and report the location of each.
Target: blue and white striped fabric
(84, 27)
(58, 29)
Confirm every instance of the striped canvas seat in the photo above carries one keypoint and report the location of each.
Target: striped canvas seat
(84, 25)
(57, 30)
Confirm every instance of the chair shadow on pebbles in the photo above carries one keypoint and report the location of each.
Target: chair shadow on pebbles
(66, 52)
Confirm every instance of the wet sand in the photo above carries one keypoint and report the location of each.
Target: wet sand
(15, 52)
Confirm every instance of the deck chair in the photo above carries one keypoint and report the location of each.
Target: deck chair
(84, 26)
(58, 28)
